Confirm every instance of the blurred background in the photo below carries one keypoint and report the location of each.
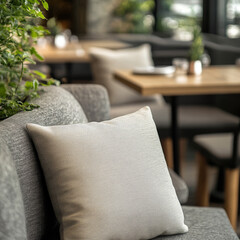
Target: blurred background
(166, 18)
(167, 25)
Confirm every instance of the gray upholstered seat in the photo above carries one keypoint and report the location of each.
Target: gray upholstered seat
(31, 204)
(57, 106)
(205, 224)
(12, 218)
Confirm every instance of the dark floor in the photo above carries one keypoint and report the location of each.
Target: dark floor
(189, 173)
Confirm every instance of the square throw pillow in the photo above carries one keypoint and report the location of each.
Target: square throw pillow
(104, 62)
(109, 180)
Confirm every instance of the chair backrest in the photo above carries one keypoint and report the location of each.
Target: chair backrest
(57, 107)
(231, 104)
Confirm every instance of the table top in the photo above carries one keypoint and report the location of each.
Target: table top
(213, 80)
(75, 52)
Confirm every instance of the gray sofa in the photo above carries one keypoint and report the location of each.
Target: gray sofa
(25, 208)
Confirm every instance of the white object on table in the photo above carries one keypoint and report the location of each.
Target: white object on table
(164, 70)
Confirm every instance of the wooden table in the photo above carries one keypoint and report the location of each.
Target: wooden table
(74, 53)
(214, 80)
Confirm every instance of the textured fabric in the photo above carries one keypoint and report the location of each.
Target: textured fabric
(100, 175)
(180, 187)
(104, 62)
(12, 218)
(57, 107)
(192, 119)
(94, 94)
(205, 224)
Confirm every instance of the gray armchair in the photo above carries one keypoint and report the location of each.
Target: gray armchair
(25, 208)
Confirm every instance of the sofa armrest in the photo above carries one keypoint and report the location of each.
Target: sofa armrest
(93, 99)
(180, 186)
(12, 217)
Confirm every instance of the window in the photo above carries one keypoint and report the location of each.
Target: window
(175, 18)
(233, 19)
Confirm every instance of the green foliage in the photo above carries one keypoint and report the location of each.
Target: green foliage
(13, 100)
(133, 16)
(197, 48)
(18, 33)
(53, 27)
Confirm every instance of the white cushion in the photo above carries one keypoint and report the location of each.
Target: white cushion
(104, 62)
(109, 180)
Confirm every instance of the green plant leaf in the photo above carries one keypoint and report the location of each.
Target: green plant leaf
(3, 90)
(30, 60)
(28, 85)
(36, 54)
(18, 33)
(35, 84)
(45, 4)
(41, 75)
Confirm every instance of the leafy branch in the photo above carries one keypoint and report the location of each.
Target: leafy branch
(19, 31)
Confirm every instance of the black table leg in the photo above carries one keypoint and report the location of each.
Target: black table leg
(52, 70)
(69, 68)
(175, 134)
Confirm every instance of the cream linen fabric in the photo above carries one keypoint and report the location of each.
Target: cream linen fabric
(104, 62)
(109, 180)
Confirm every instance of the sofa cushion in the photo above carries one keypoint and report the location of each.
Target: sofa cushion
(57, 106)
(100, 175)
(104, 62)
(205, 223)
(93, 99)
(12, 218)
(99, 112)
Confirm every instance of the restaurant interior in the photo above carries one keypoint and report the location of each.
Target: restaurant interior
(181, 58)
(165, 25)
(77, 27)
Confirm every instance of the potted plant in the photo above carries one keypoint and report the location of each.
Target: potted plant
(18, 32)
(196, 52)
